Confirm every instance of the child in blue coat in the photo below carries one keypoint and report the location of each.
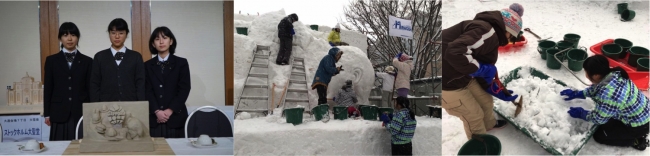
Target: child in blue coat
(401, 126)
(621, 110)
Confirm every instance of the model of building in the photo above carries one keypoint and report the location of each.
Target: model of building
(25, 92)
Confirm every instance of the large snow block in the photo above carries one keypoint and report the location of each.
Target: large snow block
(271, 136)
(514, 75)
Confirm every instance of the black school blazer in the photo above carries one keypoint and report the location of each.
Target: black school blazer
(66, 89)
(110, 82)
(168, 90)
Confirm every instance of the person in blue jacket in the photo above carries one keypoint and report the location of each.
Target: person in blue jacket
(326, 69)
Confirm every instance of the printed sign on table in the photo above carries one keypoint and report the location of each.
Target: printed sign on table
(21, 128)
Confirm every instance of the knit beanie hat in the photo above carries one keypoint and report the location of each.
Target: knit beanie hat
(517, 8)
(512, 21)
(337, 26)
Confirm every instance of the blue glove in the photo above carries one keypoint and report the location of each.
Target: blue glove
(578, 112)
(390, 115)
(500, 94)
(331, 44)
(398, 55)
(487, 71)
(384, 118)
(334, 99)
(293, 32)
(572, 94)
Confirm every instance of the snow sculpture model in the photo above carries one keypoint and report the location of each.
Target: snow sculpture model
(111, 128)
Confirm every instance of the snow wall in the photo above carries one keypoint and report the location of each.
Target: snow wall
(272, 136)
(308, 44)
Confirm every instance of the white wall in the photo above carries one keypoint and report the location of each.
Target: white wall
(93, 18)
(20, 44)
(198, 27)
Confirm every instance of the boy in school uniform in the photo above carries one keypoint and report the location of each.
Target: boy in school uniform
(118, 73)
(66, 80)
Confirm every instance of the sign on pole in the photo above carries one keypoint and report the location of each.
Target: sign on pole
(400, 27)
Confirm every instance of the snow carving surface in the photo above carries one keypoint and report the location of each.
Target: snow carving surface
(545, 112)
(309, 45)
(271, 135)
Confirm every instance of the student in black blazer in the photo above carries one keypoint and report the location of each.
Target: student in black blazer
(167, 85)
(67, 74)
(118, 73)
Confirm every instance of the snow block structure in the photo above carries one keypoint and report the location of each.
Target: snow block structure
(271, 136)
(307, 44)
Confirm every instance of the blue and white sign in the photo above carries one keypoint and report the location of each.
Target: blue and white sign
(400, 27)
(21, 128)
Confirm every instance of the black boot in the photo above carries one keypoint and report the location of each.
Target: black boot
(641, 143)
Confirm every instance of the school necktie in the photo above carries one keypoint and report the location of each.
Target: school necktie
(119, 56)
(162, 65)
(69, 56)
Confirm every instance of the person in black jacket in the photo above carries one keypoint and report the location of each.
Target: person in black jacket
(285, 33)
(66, 84)
(118, 73)
(167, 86)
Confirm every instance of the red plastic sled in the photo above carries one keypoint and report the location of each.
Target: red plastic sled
(640, 79)
(516, 45)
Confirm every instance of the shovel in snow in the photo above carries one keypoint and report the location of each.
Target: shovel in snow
(507, 93)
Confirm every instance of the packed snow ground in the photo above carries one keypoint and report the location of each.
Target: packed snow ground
(307, 44)
(594, 21)
(271, 135)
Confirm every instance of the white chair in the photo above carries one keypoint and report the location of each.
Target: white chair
(199, 109)
(76, 134)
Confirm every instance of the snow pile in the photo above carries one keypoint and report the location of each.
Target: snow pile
(273, 136)
(243, 59)
(545, 112)
(263, 31)
(593, 20)
(353, 38)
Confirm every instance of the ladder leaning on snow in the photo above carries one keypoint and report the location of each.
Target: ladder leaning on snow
(297, 88)
(256, 101)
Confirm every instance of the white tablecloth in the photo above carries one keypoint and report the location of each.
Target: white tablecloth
(180, 146)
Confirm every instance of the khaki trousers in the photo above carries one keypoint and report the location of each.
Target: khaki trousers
(473, 105)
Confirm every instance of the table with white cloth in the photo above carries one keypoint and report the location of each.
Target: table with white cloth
(180, 146)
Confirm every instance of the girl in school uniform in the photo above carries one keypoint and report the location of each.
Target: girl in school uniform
(66, 80)
(167, 85)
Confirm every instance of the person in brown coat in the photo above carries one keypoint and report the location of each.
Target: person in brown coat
(469, 51)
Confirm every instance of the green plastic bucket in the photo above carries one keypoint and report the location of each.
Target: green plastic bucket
(628, 15)
(369, 112)
(572, 38)
(576, 57)
(636, 52)
(314, 27)
(612, 50)
(561, 45)
(340, 112)
(643, 64)
(481, 144)
(320, 111)
(382, 110)
(543, 46)
(294, 115)
(625, 44)
(621, 7)
(242, 30)
(551, 62)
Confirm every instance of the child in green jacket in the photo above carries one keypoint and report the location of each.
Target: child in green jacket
(401, 127)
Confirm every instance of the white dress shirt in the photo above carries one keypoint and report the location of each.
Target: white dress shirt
(123, 49)
(163, 59)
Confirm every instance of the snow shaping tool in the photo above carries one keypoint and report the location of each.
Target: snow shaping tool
(519, 104)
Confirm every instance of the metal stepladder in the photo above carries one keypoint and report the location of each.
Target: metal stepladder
(297, 92)
(255, 94)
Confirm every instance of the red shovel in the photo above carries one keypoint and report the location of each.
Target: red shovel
(507, 93)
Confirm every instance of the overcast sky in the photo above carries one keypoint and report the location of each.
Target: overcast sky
(321, 12)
